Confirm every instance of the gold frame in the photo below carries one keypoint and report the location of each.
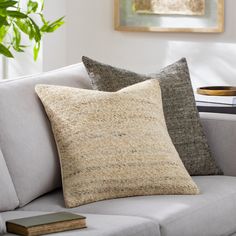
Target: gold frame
(218, 29)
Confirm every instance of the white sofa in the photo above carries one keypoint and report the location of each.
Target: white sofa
(30, 173)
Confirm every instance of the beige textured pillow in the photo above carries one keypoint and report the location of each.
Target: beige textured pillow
(113, 144)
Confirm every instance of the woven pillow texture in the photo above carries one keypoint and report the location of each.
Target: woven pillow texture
(113, 144)
(179, 106)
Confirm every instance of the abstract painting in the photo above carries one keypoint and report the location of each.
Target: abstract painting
(195, 16)
(170, 7)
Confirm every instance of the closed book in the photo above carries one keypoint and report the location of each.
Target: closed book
(229, 100)
(46, 224)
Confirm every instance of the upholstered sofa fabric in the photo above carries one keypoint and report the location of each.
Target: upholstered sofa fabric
(25, 135)
(220, 130)
(180, 111)
(2, 225)
(213, 212)
(99, 225)
(113, 144)
(8, 198)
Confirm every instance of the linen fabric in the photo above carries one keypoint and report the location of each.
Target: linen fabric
(26, 139)
(180, 111)
(113, 144)
(8, 197)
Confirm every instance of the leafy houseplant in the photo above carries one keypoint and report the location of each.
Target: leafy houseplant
(17, 18)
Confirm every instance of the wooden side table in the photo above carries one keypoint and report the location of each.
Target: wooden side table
(216, 107)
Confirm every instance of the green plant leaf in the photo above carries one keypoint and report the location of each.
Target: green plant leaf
(36, 31)
(3, 21)
(53, 26)
(24, 46)
(43, 19)
(18, 49)
(5, 51)
(3, 33)
(6, 4)
(29, 27)
(36, 50)
(17, 35)
(42, 6)
(32, 6)
(16, 14)
(16, 39)
(23, 26)
(3, 12)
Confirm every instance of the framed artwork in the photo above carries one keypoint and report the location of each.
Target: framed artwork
(204, 16)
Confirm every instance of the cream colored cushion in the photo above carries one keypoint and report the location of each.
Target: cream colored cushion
(113, 144)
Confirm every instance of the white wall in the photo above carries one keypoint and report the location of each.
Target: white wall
(23, 63)
(89, 31)
(55, 44)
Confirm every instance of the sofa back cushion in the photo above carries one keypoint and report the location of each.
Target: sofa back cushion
(25, 134)
(8, 198)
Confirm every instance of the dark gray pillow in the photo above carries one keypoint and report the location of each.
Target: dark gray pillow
(180, 111)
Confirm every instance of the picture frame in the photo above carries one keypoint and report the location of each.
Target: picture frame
(127, 19)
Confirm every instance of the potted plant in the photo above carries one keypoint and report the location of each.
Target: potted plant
(17, 18)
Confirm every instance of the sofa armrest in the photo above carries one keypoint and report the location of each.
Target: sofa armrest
(220, 130)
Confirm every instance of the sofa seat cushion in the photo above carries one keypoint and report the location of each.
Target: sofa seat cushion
(213, 212)
(99, 225)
